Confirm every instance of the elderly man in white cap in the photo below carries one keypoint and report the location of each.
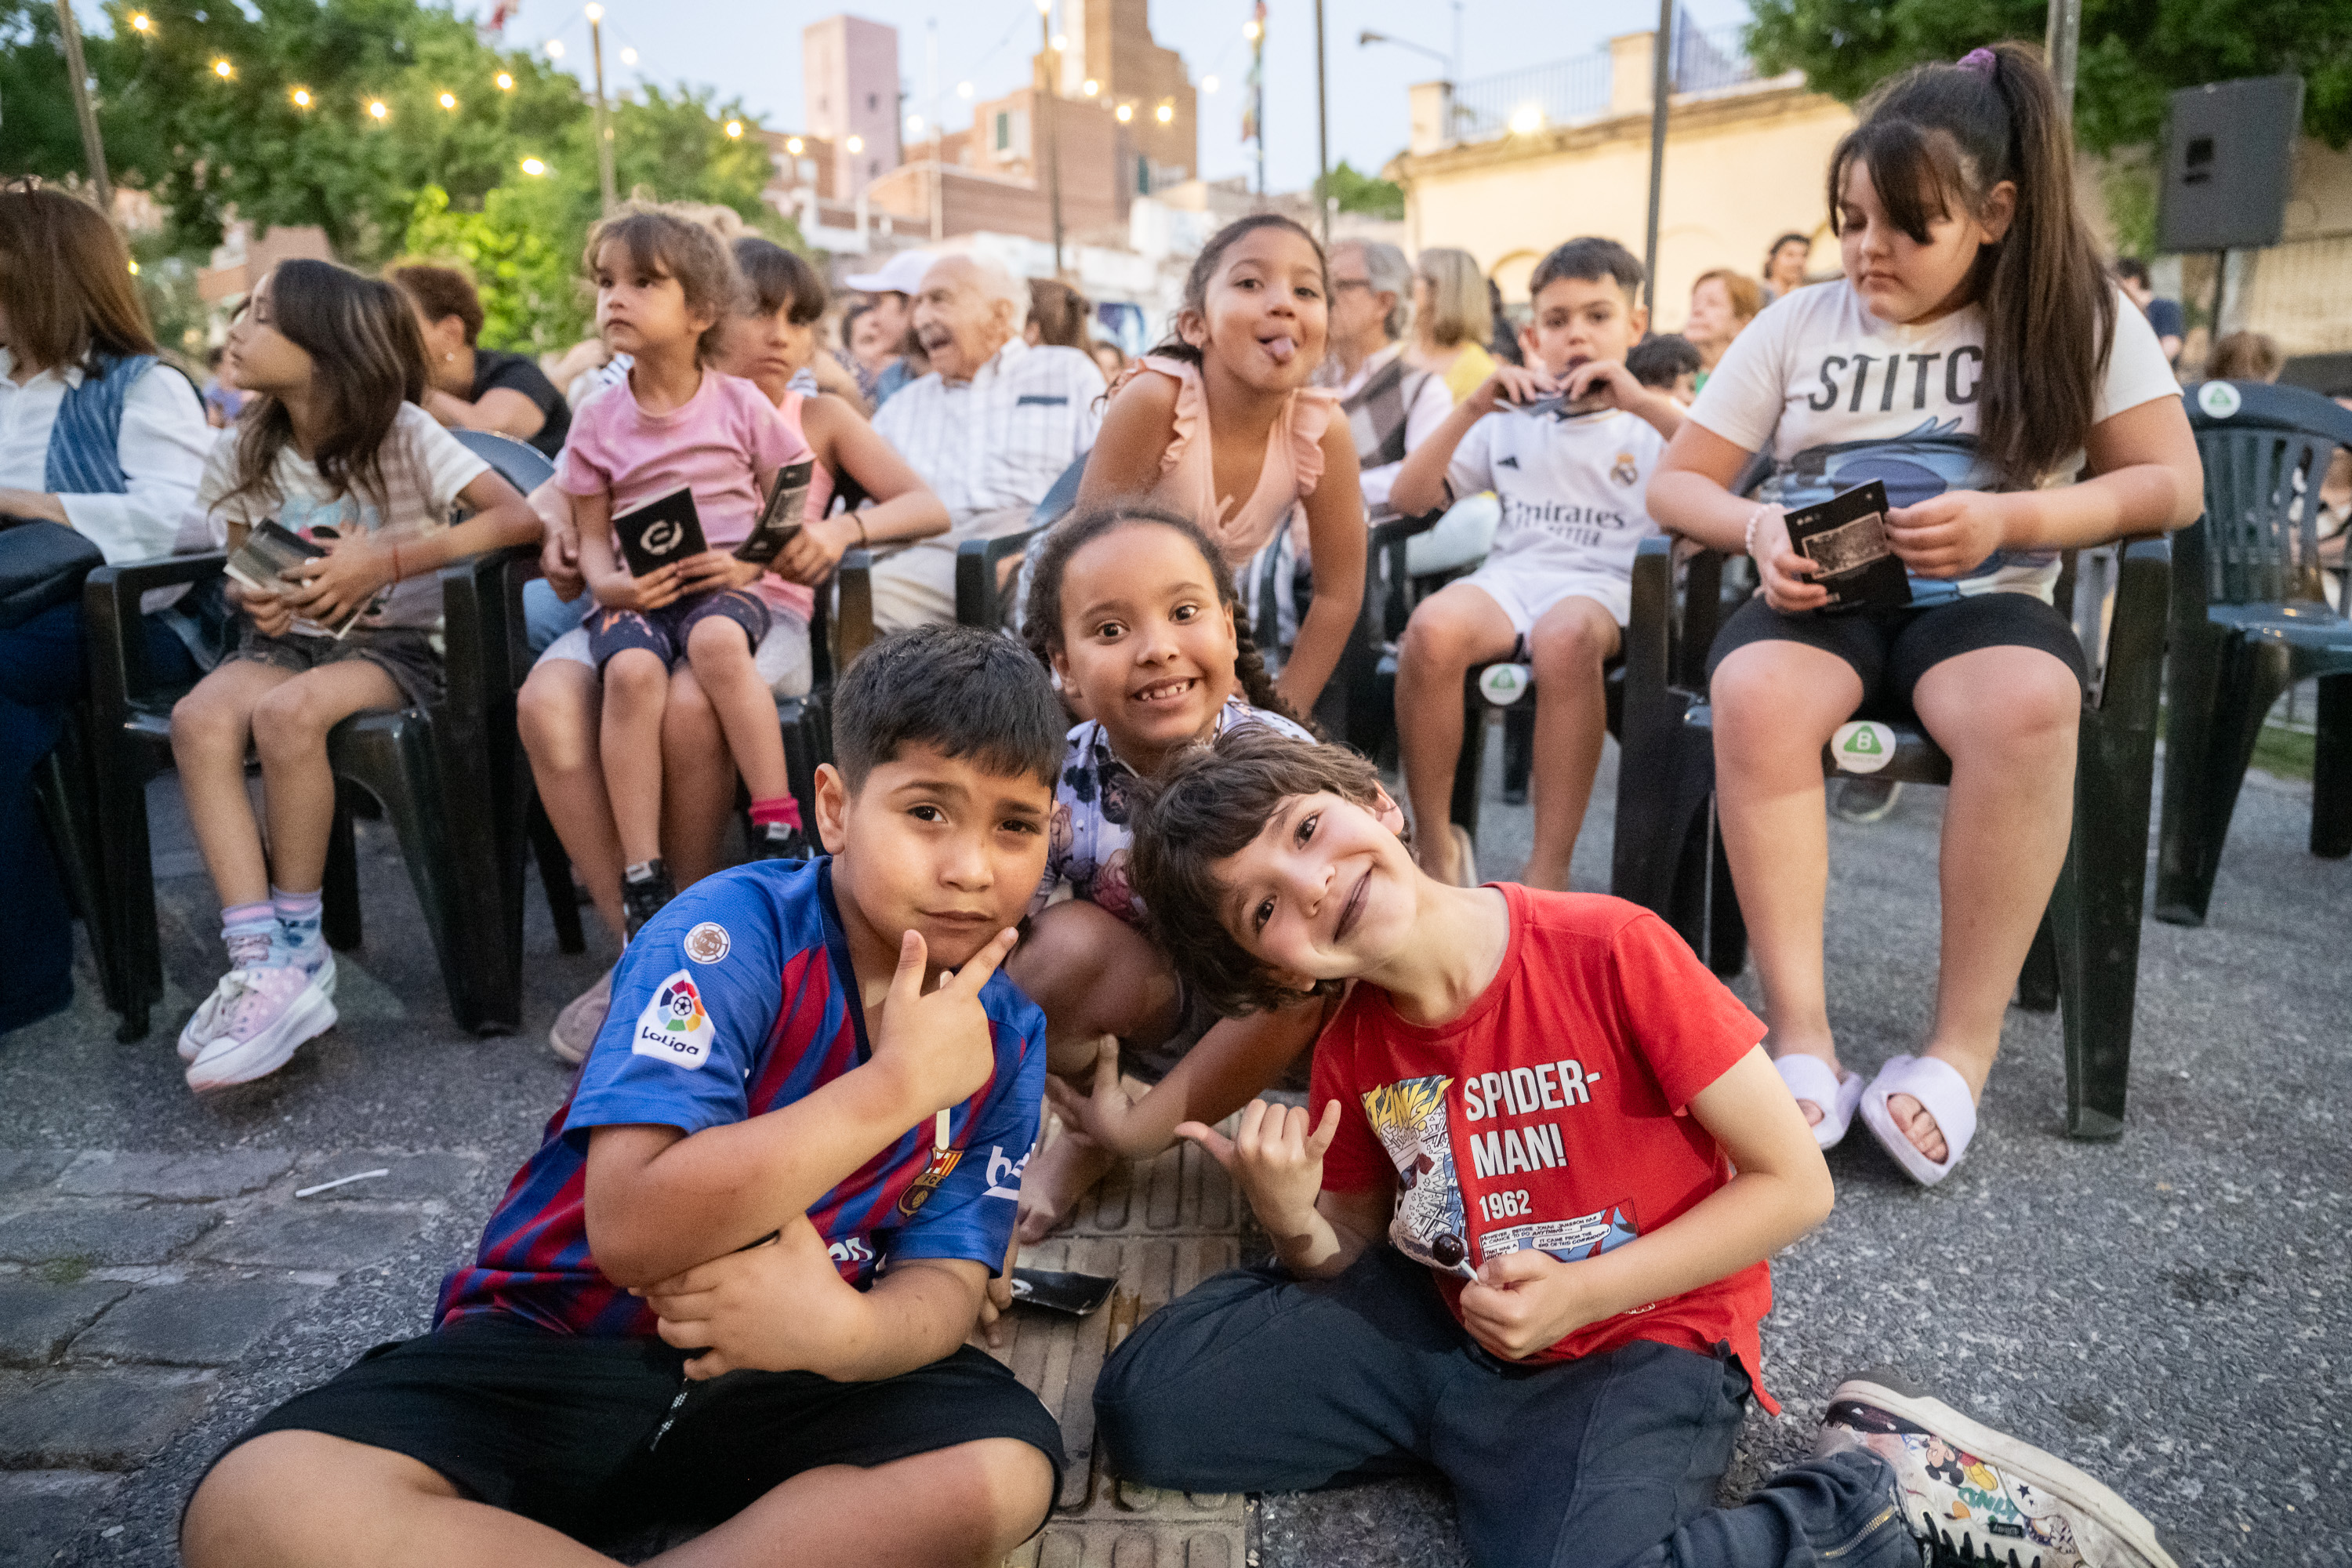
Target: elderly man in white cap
(988, 429)
(889, 300)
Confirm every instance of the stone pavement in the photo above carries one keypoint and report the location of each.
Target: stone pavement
(2170, 1312)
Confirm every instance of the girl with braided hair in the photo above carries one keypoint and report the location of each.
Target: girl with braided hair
(1134, 610)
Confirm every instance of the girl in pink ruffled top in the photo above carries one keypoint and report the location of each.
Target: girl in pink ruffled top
(1220, 425)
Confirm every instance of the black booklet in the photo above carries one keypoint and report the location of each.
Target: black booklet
(660, 532)
(1845, 537)
(269, 548)
(1076, 1294)
(781, 518)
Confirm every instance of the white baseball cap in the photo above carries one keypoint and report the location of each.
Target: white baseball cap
(902, 274)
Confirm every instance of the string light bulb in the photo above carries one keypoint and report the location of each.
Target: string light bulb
(1165, 114)
(505, 80)
(533, 167)
(448, 101)
(734, 128)
(1091, 88)
(555, 49)
(963, 89)
(595, 12)
(795, 145)
(628, 56)
(378, 111)
(1126, 112)
(1209, 84)
(857, 143)
(300, 98)
(141, 23)
(223, 70)
(1250, 30)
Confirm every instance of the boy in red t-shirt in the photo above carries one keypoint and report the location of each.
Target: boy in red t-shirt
(1580, 1158)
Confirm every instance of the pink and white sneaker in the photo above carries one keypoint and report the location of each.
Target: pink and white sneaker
(272, 1012)
(206, 1021)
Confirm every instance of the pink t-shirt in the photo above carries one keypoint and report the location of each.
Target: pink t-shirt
(717, 443)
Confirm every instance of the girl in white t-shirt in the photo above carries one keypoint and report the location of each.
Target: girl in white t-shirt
(1974, 353)
(334, 447)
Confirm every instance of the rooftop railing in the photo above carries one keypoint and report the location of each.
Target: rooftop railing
(1566, 91)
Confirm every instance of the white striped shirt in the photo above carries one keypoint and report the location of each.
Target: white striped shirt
(1000, 440)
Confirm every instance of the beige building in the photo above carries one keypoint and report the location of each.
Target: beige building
(1510, 166)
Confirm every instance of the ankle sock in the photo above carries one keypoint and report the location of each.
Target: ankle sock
(298, 921)
(781, 808)
(641, 870)
(247, 930)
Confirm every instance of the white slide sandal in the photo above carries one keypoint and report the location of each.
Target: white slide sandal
(1812, 1080)
(1943, 1092)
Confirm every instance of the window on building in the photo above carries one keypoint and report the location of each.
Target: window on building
(1003, 130)
(873, 167)
(873, 101)
(1142, 175)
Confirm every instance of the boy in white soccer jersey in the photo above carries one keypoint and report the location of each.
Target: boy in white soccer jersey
(1568, 444)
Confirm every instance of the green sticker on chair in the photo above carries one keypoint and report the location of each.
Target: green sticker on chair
(1864, 746)
(1503, 684)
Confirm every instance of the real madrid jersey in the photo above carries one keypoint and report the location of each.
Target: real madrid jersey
(1574, 493)
(736, 999)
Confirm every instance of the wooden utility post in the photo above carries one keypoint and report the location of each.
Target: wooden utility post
(93, 151)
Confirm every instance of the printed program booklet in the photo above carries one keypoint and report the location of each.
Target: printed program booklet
(781, 518)
(1845, 536)
(660, 532)
(269, 548)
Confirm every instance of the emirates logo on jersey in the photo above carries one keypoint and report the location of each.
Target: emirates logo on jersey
(919, 1191)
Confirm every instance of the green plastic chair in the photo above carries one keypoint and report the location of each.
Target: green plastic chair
(1669, 853)
(2250, 618)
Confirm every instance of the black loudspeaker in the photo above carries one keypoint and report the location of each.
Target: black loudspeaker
(2229, 158)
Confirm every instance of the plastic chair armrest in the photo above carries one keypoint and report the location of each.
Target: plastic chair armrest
(978, 602)
(2135, 637)
(853, 626)
(109, 608)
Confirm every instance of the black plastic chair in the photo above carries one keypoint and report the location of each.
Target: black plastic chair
(980, 600)
(1669, 853)
(2250, 618)
(449, 778)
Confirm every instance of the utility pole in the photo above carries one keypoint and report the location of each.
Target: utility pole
(1255, 31)
(1322, 140)
(1049, 93)
(2060, 46)
(93, 151)
(603, 126)
(1662, 84)
(938, 191)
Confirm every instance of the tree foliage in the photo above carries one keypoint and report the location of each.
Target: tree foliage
(2134, 52)
(1356, 192)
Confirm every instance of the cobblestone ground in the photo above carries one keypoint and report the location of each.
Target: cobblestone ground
(2170, 1312)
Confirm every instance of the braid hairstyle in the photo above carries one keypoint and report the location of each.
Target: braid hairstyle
(1041, 625)
(1204, 270)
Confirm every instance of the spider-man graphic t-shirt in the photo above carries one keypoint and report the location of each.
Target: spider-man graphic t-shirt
(1553, 1113)
(736, 999)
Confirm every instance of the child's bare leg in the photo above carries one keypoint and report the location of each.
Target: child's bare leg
(1456, 627)
(1776, 704)
(1094, 975)
(698, 780)
(636, 687)
(558, 712)
(210, 727)
(1575, 638)
(721, 653)
(961, 1506)
(304, 1499)
(2006, 823)
(289, 731)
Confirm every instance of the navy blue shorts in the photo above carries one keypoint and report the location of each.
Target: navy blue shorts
(664, 632)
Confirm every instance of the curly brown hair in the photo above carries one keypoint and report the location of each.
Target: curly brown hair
(1206, 807)
(1041, 627)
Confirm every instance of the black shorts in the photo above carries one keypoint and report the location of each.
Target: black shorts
(597, 1437)
(1891, 649)
(663, 632)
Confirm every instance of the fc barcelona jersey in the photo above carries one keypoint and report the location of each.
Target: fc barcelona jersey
(736, 999)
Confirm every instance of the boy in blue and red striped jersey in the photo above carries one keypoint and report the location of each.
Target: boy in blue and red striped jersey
(732, 1287)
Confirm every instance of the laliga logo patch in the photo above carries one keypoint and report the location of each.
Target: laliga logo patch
(708, 943)
(674, 1027)
(918, 1193)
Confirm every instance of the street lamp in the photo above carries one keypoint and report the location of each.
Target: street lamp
(604, 130)
(1052, 124)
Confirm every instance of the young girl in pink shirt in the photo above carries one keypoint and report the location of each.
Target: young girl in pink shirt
(663, 289)
(1220, 426)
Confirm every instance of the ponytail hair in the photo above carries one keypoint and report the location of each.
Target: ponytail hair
(1204, 272)
(1041, 625)
(1939, 138)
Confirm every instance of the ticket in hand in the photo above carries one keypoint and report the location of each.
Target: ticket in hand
(1845, 537)
(660, 532)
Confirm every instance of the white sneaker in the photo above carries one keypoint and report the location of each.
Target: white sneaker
(1972, 1494)
(273, 1012)
(204, 1023)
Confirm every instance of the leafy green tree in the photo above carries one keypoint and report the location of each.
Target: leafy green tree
(514, 247)
(1356, 192)
(38, 134)
(2134, 52)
